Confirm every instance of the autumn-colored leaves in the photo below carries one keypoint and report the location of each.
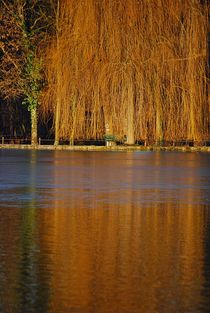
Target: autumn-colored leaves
(136, 68)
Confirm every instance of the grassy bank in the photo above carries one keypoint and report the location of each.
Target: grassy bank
(105, 148)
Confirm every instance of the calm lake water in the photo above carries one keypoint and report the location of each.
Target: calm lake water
(104, 232)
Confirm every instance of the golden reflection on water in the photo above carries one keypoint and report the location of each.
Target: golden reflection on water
(123, 258)
(127, 260)
(104, 256)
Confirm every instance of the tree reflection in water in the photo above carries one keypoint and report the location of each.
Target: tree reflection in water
(122, 232)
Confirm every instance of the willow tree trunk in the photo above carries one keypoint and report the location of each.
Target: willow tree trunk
(159, 129)
(57, 121)
(74, 115)
(34, 126)
(159, 123)
(192, 98)
(130, 118)
(58, 99)
(130, 125)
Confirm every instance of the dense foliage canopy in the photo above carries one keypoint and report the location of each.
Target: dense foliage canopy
(134, 69)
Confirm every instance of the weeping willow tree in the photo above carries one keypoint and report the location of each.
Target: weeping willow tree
(135, 69)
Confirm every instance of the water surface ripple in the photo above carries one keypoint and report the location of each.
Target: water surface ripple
(104, 232)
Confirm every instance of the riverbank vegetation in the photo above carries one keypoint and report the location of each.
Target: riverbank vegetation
(135, 70)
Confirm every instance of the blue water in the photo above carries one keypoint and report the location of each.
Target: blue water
(27, 175)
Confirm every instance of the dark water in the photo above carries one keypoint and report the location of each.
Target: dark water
(95, 232)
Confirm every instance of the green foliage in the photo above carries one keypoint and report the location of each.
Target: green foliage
(110, 137)
(32, 70)
(23, 23)
(32, 81)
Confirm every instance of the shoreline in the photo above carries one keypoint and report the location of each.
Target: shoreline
(104, 148)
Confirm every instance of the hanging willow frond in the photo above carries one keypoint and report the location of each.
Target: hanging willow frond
(137, 66)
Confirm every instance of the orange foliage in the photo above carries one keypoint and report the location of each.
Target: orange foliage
(138, 66)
